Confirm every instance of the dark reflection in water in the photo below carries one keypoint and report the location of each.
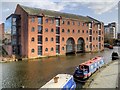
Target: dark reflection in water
(34, 74)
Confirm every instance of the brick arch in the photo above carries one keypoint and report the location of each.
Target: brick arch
(80, 44)
(70, 45)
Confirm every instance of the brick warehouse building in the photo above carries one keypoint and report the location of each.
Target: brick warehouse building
(37, 32)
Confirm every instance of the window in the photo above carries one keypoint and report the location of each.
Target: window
(63, 22)
(96, 45)
(57, 22)
(57, 49)
(14, 30)
(33, 29)
(90, 25)
(63, 39)
(73, 23)
(14, 21)
(52, 39)
(57, 30)
(46, 49)
(32, 50)
(90, 38)
(63, 30)
(68, 23)
(96, 32)
(93, 38)
(62, 48)
(52, 49)
(99, 26)
(78, 31)
(99, 39)
(57, 39)
(46, 20)
(91, 46)
(96, 38)
(87, 31)
(87, 24)
(52, 30)
(87, 38)
(90, 31)
(87, 46)
(39, 29)
(78, 23)
(39, 20)
(99, 32)
(82, 31)
(46, 39)
(99, 45)
(39, 39)
(46, 30)
(68, 31)
(39, 50)
(73, 31)
(33, 19)
(14, 41)
(32, 39)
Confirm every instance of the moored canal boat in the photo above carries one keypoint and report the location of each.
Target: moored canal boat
(60, 82)
(86, 69)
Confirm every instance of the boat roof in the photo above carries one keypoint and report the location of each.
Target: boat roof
(62, 80)
(91, 61)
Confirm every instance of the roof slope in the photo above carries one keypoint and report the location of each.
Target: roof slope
(38, 11)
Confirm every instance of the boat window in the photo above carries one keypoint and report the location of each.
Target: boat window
(98, 63)
(91, 66)
(95, 64)
(84, 67)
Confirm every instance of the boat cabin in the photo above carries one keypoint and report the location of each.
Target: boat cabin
(85, 69)
(60, 81)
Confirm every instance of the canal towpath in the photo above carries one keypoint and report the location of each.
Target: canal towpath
(108, 77)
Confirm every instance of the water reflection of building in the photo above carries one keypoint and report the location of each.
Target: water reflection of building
(37, 32)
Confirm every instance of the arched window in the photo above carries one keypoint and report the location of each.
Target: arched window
(32, 50)
(52, 49)
(62, 38)
(46, 39)
(68, 31)
(32, 39)
(46, 49)
(46, 30)
(68, 23)
(52, 39)
(52, 30)
(33, 29)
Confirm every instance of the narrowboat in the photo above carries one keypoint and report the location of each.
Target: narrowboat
(86, 69)
(60, 82)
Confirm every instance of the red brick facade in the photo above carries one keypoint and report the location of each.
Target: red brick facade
(77, 31)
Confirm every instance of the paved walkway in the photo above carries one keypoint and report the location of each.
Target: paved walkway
(107, 78)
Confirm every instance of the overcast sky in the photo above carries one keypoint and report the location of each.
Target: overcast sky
(103, 10)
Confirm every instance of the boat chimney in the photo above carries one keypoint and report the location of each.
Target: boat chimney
(56, 79)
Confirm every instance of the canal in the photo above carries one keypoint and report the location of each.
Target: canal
(35, 73)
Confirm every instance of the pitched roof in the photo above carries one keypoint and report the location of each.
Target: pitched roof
(38, 11)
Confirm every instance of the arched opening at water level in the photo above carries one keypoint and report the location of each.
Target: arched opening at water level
(80, 45)
(70, 46)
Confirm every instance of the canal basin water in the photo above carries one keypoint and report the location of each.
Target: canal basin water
(35, 73)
